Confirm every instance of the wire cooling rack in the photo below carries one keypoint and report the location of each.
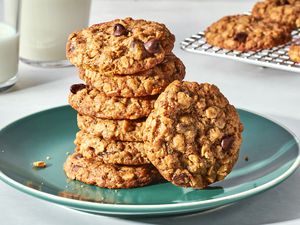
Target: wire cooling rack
(276, 57)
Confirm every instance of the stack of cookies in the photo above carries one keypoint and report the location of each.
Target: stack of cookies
(125, 65)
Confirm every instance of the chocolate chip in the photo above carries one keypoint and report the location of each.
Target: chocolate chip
(120, 30)
(71, 48)
(138, 47)
(78, 156)
(134, 43)
(76, 168)
(152, 46)
(281, 2)
(94, 31)
(77, 87)
(227, 142)
(241, 37)
(180, 179)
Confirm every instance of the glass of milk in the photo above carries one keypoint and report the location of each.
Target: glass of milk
(45, 26)
(9, 44)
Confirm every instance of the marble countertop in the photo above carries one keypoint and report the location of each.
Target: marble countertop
(273, 93)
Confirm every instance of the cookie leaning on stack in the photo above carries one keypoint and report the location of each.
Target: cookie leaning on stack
(193, 135)
(125, 64)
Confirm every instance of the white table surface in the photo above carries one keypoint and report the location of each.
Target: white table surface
(271, 92)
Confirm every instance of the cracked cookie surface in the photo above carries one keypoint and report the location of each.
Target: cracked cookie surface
(279, 11)
(121, 46)
(149, 82)
(114, 152)
(120, 130)
(193, 134)
(246, 33)
(91, 171)
(91, 102)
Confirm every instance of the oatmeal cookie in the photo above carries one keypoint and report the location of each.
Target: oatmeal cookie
(149, 82)
(294, 53)
(246, 33)
(193, 134)
(115, 152)
(120, 130)
(279, 11)
(121, 46)
(91, 102)
(94, 172)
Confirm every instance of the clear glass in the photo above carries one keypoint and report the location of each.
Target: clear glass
(9, 43)
(45, 26)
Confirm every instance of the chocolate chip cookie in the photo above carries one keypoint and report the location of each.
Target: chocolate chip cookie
(94, 172)
(279, 11)
(193, 134)
(115, 152)
(120, 130)
(149, 82)
(91, 102)
(246, 33)
(294, 53)
(121, 46)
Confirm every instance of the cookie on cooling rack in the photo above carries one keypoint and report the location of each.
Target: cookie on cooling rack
(279, 11)
(246, 33)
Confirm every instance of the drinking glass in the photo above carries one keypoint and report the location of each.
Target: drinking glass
(45, 26)
(9, 43)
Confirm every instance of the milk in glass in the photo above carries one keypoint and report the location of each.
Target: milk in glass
(11, 12)
(45, 26)
(9, 57)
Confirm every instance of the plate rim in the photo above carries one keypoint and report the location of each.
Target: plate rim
(73, 203)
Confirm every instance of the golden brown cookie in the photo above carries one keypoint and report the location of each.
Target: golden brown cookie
(246, 33)
(193, 134)
(149, 82)
(294, 53)
(120, 130)
(279, 11)
(121, 46)
(114, 152)
(93, 103)
(94, 172)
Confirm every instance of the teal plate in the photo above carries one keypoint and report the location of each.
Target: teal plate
(272, 151)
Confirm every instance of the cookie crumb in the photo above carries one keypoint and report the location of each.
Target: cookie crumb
(48, 157)
(39, 164)
(246, 158)
(67, 153)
